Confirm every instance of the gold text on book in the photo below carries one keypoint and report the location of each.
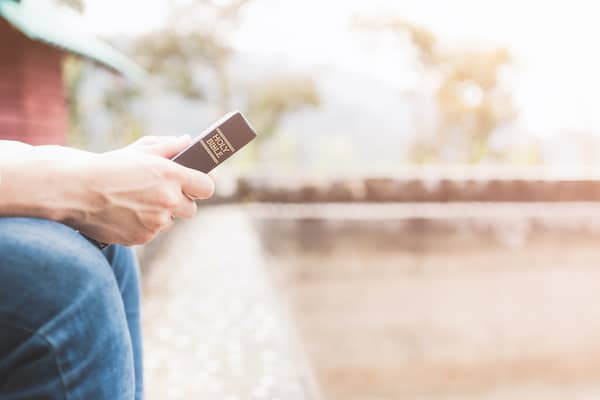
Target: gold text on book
(218, 145)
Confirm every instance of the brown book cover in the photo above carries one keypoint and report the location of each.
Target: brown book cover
(217, 143)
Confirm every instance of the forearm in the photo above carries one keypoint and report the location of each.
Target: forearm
(125, 196)
(42, 181)
(8, 147)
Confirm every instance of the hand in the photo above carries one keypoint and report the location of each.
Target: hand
(132, 194)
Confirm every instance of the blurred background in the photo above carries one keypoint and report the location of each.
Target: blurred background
(370, 87)
(419, 217)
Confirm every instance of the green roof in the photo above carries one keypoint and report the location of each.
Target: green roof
(43, 20)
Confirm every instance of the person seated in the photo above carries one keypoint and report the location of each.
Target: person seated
(70, 311)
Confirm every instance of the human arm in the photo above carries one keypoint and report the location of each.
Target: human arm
(125, 196)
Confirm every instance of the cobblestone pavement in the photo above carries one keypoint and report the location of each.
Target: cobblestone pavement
(212, 326)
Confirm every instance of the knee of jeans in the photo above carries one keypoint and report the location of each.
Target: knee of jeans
(125, 266)
(48, 268)
(55, 284)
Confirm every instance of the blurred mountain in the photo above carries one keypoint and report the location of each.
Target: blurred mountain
(358, 115)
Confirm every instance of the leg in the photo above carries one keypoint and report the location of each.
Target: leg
(63, 329)
(126, 270)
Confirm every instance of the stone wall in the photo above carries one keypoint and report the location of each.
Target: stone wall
(434, 189)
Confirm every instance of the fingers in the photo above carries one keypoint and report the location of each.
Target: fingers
(195, 184)
(164, 220)
(186, 208)
(162, 146)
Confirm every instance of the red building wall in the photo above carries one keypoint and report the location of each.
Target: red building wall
(33, 107)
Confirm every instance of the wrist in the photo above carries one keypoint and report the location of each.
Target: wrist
(72, 186)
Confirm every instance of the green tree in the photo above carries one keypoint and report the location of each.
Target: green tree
(470, 101)
(178, 54)
(190, 56)
(195, 38)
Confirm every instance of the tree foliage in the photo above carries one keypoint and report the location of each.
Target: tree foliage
(470, 100)
(271, 100)
(186, 47)
(194, 40)
(190, 56)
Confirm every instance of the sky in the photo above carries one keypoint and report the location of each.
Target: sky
(556, 64)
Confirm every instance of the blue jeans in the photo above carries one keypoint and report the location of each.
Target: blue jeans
(69, 315)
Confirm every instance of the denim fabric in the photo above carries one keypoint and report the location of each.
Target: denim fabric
(69, 315)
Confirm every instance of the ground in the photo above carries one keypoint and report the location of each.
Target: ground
(419, 302)
(213, 330)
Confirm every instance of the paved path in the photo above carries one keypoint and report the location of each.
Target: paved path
(213, 327)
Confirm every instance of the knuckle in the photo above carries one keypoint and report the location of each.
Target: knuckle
(156, 166)
(168, 170)
(167, 198)
(157, 221)
(164, 218)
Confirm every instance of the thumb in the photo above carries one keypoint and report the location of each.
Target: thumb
(167, 147)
